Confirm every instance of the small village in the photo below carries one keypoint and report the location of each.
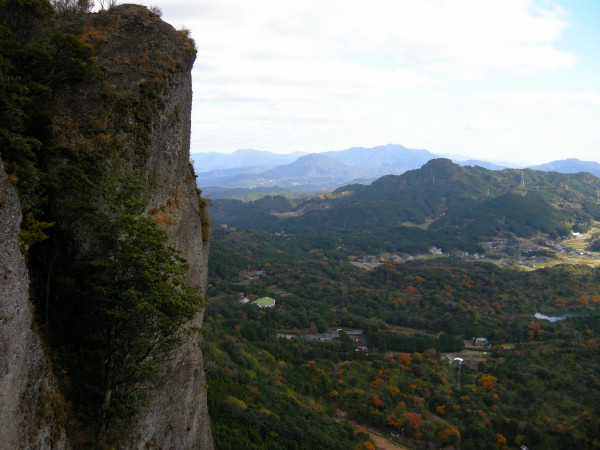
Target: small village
(526, 253)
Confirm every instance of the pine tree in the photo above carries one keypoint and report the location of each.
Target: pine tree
(133, 302)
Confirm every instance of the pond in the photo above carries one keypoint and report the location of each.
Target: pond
(562, 316)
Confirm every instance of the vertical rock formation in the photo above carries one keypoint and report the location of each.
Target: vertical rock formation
(143, 57)
(16, 337)
(177, 416)
(28, 399)
(135, 116)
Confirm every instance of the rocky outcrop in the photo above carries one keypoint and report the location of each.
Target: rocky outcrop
(30, 407)
(134, 116)
(143, 57)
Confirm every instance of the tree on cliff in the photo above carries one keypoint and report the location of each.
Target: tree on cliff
(109, 292)
(73, 6)
(131, 302)
(37, 63)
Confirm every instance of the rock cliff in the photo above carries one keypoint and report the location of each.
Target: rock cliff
(29, 401)
(139, 107)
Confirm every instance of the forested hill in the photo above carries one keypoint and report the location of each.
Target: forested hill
(441, 195)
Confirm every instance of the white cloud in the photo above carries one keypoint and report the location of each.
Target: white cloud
(296, 52)
(454, 38)
(538, 99)
(319, 75)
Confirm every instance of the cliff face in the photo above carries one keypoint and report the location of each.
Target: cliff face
(135, 116)
(177, 416)
(142, 56)
(15, 332)
(28, 399)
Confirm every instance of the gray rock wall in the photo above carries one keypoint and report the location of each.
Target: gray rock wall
(143, 61)
(178, 416)
(29, 401)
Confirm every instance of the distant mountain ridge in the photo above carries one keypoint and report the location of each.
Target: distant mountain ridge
(570, 165)
(309, 172)
(392, 156)
(317, 172)
(485, 164)
(261, 171)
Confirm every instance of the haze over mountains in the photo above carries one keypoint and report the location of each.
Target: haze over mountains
(261, 172)
(240, 158)
(571, 165)
(258, 170)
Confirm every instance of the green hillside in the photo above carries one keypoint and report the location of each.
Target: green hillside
(444, 197)
(507, 213)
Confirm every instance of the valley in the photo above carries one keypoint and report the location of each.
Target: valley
(366, 298)
(379, 288)
(405, 380)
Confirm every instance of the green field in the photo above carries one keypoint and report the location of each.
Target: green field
(579, 244)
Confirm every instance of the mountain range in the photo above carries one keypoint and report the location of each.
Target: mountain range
(571, 165)
(455, 204)
(250, 174)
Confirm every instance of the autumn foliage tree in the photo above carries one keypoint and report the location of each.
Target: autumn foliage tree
(377, 402)
(413, 419)
(449, 436)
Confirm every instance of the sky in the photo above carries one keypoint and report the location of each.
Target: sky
(496, 80)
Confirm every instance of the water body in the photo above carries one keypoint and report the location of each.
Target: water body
(562, 316)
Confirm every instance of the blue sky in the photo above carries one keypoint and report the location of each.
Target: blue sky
(502, 80)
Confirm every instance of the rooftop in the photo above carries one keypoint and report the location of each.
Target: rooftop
(264, 302)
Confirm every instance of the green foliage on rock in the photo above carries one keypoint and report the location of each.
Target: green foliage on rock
(130, 304)
(38, 63)
(111, 295)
